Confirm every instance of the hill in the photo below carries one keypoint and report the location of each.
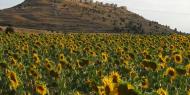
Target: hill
(78, 16)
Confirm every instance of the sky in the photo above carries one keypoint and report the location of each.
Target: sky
(174, 13)
(9, 3)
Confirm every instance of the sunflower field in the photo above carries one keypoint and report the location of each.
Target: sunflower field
(94, 64)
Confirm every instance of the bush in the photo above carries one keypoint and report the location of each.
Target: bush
(1, 29)
(9, 29)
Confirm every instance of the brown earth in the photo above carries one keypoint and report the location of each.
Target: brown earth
(70, 16)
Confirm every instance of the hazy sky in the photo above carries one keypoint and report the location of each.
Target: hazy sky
(9, 3)
(175, 13)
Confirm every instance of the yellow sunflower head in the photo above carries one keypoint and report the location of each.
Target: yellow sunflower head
(48, 65)
(20, 66)
(33, 66)
(37, 43)
(41, 89)
(145, 83)
(104, 57)
(61, 57)
(163, 59)
(25, 48)
(172, 47)
(187, 69)
(161, 91)
(133, 74)
(93, 53)
(178, 58)
(36, 58)
(34, 73)
(188, 92)
(108, 85)
(171, 72)
(26, 93)
(116, 78)
(77, 93)
(13, 61)
(58, 68)
(162, 66)
(101, 90)
(14, 82)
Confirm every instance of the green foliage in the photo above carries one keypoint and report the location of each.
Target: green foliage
(74, 63)
(9, 29)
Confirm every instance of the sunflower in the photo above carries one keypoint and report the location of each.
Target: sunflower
(133, 74)
(33, 66)
(130, 86)
(37, 43)
(163, 59)
(104, 57)
(77, 93)
(27, 93)
(20, 66)
(34, 73)
(93, 53)
(13, 61)
(187, 67)
(25, 48)
(160, 49)
(172, 47)
(188, 92)
(61, 57)
(41, 89)
(108, 85)
(171, 72)
(101, 90)
(62, 60)
(126, 62)
(36, 58)
(145, 84)
(161, 91)
(116, 78)
(58, 68)
(178, 58)
(14, 82)
(119, 50)
(144, 53)
(48, 65)
(161, 66)
(61, 45)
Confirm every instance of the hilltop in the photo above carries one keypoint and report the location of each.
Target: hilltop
(78, 16)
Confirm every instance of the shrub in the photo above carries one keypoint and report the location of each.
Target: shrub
(1, 29)
(9, 29)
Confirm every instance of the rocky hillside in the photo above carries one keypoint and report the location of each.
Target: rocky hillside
(78, 16)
